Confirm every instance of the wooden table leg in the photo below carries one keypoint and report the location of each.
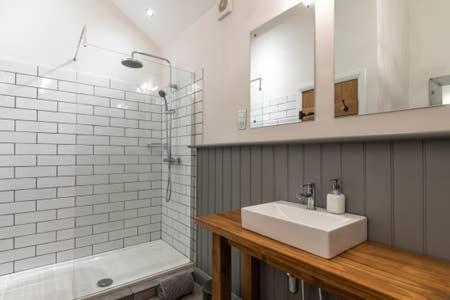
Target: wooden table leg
(250, 277)
(221, 288)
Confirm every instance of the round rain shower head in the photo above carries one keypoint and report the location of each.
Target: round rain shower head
(132, 63)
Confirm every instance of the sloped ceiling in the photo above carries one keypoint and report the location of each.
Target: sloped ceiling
(171, 17)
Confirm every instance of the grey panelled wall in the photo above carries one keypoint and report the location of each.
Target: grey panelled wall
(403, 187)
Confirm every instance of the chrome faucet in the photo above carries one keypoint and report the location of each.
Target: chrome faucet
(308, 195)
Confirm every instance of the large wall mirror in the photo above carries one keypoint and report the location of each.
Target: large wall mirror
(391, 55)
(282, 68)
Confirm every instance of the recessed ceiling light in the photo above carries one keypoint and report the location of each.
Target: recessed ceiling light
(150, 12)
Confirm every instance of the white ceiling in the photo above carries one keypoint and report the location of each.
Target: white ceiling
(170, 19)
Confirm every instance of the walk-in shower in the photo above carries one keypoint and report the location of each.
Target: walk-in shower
(90, 175)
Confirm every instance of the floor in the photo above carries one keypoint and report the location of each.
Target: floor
(78, 279)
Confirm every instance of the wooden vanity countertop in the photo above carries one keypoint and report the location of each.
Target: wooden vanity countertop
(367, 271)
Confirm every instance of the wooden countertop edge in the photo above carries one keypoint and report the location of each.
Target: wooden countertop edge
(309, 269)
(331, 272)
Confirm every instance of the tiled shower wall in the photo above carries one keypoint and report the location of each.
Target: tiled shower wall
(77, 174)
(177, 227)
(273, 111)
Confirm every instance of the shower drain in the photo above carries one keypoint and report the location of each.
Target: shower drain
(104, 282)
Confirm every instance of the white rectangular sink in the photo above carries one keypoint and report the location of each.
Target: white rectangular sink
(316, 231)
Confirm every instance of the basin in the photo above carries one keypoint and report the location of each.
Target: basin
(316, 231)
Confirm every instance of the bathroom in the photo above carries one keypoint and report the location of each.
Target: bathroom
(224, 149)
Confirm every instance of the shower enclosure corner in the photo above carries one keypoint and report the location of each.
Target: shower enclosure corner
(133, 194)
(102, 195)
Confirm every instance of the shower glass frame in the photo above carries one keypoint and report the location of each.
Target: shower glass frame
(129, 163)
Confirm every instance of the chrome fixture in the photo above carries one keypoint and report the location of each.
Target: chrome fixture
(293, 287)
(259, 80)
(105, 282)
(134, 63)
(140, 64)
(292, 284)
(303, 289)
(169, 159)
(81, 41)
(162, 94)
(172, 160)
(308, 195)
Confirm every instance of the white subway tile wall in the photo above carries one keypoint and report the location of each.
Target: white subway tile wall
(177, 215)
(273, 111)
(77, 176)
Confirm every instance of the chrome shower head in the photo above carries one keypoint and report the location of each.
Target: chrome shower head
(162, 94)
(132, 62)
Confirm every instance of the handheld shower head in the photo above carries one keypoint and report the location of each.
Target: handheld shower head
(162, 94)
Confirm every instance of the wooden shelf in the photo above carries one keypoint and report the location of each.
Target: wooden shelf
(367, 271)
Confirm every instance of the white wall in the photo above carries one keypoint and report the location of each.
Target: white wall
(372, 35)
(356, 45)
(223, 48)
(46, 32)
(393, 35)
(282, 53)
(398, 43)
(429, 46)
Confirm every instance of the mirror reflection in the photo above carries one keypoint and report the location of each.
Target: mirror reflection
(391, 55)
(282, 68)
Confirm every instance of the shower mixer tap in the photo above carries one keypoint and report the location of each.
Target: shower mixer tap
(172, 160)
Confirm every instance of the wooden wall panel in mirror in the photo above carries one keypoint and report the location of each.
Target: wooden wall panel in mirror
(308, 103)
(282, 68)
(346, 98)
(395, 51)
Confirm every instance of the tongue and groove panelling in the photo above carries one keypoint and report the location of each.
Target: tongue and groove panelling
(401, 186)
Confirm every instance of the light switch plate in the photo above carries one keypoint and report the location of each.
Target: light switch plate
(242, 119)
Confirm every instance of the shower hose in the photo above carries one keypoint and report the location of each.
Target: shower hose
(169, 155)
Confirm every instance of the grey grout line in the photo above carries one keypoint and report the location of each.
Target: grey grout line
(424, 196)
(392, 191)
(364, 178)
(59, 189)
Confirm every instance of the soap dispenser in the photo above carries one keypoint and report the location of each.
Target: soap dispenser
(336, 199)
